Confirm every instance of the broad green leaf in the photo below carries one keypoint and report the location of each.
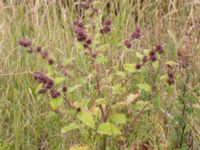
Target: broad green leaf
(139, 55)
(87, 118)
(163, 77)
(56, 103)
(69, 127)
(144, 87)
(100, 59)
(146, 51)
(120, 73)
(117, 89)
(155, 64)
(100, 101)
(79, 45)
(38, 88)
(79, 147)
(58, 80)
(140, 105)
(171, 63)
(108, 129)
(130, 68)
(50, 69)
(118, 118)
(72, 89)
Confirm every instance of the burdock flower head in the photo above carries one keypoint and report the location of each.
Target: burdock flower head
(25, 42)
(137, 33)
(80, 31)
(159, 48)
(54, 93)
(127, 44)
(106, 27)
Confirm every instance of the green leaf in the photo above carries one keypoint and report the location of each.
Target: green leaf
(81, 147)
(79, 45)
(108, 129)
(58, 80)
(130, 68)
(118, 118)
(50, 69)
(140, 105)
(100, 59)
(171, 63)
(70, 127)
(72, 89)
(139, 55)
(117, 89)
(56, 103)
(144, 87)
(155, 64)
(87, 118)
(146, 51)
(38, 88)
(100, 101)
(163, 77)
(120, 73)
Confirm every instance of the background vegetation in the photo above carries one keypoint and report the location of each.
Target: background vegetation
(27, 122)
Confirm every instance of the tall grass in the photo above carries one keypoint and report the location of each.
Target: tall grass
(26, 122)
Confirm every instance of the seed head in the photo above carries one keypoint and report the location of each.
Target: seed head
(43, 90)
(108, 22)
(25, 42)
(144, 59)
(138, 66)
(78, 109)
(127, 44)
(51, 61)
(64, 88)
(55, 94)
(153, 58)
(159, 48)
(39, 48)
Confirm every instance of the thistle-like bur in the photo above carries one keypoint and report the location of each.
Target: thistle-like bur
(25, 42)
(127, 43)
(136, 34)
(54, 93)
(159, 48)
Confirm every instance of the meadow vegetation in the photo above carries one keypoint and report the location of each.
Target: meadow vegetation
(100, 74)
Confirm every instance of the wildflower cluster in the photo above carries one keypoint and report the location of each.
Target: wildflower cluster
(135, 35)
(151, 56)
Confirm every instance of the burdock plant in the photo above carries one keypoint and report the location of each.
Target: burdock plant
(104, 92)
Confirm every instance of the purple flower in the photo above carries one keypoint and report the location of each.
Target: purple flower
(25, 42)
(170, 81)
(108, 22)
(138, 66)
(55, 94)
(153, 58)
(39, 49)
(144, 59)
(45, 54)
(43, 90)
(64, 88)
(136, 33)
(152, 53)
(127, 44)
(50, 61)
(78, 110)
(89, 40)
(159, 48)
(85, 5)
